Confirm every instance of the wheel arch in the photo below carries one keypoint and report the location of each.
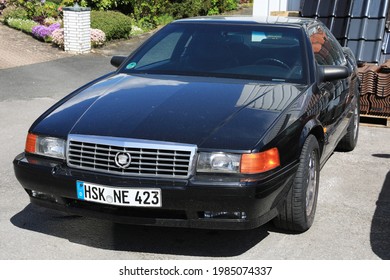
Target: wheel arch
(315, 128)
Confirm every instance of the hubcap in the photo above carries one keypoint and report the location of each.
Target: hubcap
(311, 183)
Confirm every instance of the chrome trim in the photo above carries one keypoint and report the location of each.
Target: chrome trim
(106, 147)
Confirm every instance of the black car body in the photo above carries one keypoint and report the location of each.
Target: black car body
(214, 122)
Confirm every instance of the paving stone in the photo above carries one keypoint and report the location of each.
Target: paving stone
(19, 49)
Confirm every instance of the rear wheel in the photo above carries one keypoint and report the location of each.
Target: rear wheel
(298, 210)
(349, 141)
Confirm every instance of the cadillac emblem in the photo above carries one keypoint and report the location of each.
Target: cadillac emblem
(122, 160)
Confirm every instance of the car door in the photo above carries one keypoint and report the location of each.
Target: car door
(334, 94)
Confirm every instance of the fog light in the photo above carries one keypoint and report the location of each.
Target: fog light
(44, 196)
(224, 215)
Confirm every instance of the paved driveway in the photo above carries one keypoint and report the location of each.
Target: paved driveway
(18, 49)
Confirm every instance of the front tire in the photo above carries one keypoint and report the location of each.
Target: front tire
(298, 210)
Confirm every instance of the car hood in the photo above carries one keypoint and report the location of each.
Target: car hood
(212, 113)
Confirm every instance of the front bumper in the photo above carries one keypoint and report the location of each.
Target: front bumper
(186, 203)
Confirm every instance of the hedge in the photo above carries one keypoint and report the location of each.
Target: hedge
(114, 24)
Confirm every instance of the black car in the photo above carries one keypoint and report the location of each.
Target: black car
(215, 122)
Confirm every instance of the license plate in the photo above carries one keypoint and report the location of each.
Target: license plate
(118, 196)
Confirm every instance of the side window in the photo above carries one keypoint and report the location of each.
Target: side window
(161, 51)
(325, 47)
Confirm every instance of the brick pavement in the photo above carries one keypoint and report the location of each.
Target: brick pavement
(18, 49)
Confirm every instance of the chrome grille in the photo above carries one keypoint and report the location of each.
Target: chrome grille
(148, 158)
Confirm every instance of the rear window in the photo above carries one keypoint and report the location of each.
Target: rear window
(262, 52)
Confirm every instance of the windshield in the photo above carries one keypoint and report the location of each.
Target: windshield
(261, 52)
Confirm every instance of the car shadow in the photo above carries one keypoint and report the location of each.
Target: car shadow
(381, 155)
(380, 226)
(128, 238)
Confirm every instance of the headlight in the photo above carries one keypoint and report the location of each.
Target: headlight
(45, 146)
(219, 162)
(236, 163)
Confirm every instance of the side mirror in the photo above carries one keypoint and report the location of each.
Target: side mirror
(330, 73)
(116, 61)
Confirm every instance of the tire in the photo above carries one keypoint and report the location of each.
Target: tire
(298, 210)
(349, 141)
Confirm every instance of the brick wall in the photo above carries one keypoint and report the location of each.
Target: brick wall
(77, 30)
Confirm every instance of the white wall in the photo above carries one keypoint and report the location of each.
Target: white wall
(264, 7)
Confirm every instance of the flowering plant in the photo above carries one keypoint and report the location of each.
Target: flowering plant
(50, 20)
(98, 37)
(57, 37)
(44, 32)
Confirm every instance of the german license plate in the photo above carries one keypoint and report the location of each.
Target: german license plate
(118, 196)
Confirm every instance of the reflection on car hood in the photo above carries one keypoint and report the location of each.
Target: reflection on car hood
(209, 112)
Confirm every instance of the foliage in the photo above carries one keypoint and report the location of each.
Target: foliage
(36, 8)
(144, 15)
(70, 3)
(103, 4)
(25, 25)
(14, 12)
(108, 4)
(164, 19)
(151, 10)
(44, 32)
(151, 13)
(147, 12)
(97, 37)
(48, 9)
(136, 30)
(50, 20)
(228, 5)
(114, 24)
(221, 6)
(57, 37)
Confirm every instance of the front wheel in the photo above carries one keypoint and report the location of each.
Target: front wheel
(298, 210)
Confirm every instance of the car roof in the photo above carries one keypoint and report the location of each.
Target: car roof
(270, 20)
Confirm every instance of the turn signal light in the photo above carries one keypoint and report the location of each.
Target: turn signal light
(31, 143)
(260, 162)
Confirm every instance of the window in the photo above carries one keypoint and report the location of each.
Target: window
(326, 49)
(162, 51)
(241, 51)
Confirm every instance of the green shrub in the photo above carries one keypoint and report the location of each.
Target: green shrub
(14, 12)
(114, 24)
(49, 9)
(147, 12)
(70, 3)
(35, 8)
(227, 5)
(189, 8)
(192, 8)
(25, 25)
(164, 19)
(102, 4)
